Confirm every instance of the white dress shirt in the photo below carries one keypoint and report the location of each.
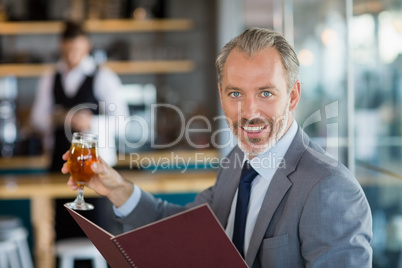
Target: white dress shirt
(106, 84)
(266, 166)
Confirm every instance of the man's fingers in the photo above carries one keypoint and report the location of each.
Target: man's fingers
(64, 168)
(98, 168)
(72, 184)
(66, 155)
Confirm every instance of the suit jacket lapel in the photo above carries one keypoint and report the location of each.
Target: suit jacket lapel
(280, 184)
(277, 189)
(231, 182)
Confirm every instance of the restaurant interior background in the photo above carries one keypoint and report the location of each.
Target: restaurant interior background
(350, 53)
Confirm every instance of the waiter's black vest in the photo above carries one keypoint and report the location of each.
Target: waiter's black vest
(85, 94)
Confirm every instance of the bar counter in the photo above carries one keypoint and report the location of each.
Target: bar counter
(43, 188)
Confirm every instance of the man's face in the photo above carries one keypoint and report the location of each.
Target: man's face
(255, 99)
(74, 50)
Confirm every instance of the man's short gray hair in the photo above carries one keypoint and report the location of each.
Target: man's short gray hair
(256, 39)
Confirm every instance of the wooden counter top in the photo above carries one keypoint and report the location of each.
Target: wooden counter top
(55, 185)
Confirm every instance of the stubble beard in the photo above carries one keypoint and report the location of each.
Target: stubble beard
(256, 146)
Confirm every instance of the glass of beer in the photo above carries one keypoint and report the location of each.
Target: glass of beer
(83, 152)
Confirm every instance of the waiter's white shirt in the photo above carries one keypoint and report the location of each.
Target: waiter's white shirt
(106, 85)
(265, 165)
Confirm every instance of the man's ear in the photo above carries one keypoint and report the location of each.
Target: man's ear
(294, 95)
(220, 93)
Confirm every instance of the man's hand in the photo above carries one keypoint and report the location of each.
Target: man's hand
(106, 182)
(81, 120)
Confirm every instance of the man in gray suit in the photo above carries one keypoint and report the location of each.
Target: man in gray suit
(305, 209)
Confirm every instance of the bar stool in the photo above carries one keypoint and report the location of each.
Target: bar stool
(71, 249)
(14, 249)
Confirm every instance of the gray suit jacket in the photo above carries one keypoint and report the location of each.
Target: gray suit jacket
(314, 213)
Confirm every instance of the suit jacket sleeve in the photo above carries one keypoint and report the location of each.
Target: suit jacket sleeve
(335, 225)
(150, 209)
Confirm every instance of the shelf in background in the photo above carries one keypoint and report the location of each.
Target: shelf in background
(97, 26)
(120, 67)
(157, 66)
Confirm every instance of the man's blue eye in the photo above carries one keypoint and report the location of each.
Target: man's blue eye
(235, 94)
(266, 93)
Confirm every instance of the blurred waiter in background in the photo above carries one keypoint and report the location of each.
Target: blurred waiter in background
(78, 95)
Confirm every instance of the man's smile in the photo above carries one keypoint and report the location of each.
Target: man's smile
(253, 129)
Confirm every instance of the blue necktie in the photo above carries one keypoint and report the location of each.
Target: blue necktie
(243, 196)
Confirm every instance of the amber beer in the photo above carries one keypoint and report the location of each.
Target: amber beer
(83, 152)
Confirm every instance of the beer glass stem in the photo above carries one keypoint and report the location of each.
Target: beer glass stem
(80, 195)
(79, 203)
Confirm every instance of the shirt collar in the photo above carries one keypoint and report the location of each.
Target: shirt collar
(268, 162)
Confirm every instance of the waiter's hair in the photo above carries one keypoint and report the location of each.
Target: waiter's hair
(256, 39)
(72, 29)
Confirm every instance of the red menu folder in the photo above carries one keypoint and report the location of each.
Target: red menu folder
(193, 238)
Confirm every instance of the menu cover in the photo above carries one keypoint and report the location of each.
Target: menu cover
(193, 238)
